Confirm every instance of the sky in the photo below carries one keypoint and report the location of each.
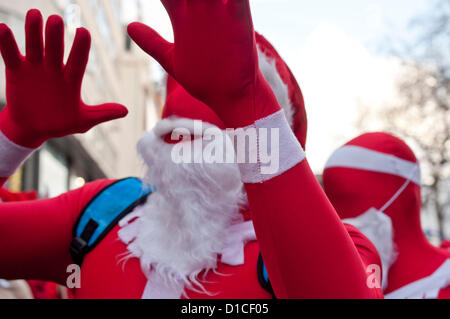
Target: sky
(337, 51)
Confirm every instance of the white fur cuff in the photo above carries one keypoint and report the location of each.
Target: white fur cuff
(270, 148)
(11, 156)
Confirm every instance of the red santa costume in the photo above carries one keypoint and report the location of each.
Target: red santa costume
(194, 236)
(374, 183)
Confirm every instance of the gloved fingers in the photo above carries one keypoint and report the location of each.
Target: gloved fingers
(94, 115)
(34, 38)
(79, 56)
(54, 42)
(8, 48)
(152, 43)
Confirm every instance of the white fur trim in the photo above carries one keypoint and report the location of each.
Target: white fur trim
(377, 226)
(426, 288)
(289, 150)
(11, 156)
(268, 68)
(364, 159)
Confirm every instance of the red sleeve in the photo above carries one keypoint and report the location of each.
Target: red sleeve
(35, 235)
(8, 196)
(306, 248)
(444, 293)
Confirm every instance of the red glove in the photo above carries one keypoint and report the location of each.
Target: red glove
(43, 95)
(214, 57)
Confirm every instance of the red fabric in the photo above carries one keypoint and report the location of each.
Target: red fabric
(276, 232)
(445, 244)
(44, 254)
(8, 196)
(43, 95)
(227, 79)
(352, 192)
(225, 73)
(41, 232)
(300, 124)
(181, 104)
(194, 109)
(44, 290)
(306, 248)
(444, 293)
(365, 247)
(103, 274)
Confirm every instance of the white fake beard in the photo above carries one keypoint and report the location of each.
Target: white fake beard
(377, 226)
(182, 227)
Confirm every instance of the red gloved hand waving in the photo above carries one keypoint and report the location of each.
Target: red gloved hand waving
(43, 95)
(214, 57)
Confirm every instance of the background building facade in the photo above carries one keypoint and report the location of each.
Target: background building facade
(117, 72)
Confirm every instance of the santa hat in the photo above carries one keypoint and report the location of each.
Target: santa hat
(181, 104)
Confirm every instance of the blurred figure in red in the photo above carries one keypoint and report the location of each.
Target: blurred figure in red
(8, 196)
(32, 288)
(374, 183)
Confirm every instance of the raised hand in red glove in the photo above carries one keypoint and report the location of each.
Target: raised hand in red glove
(214, 57)
(43, 95)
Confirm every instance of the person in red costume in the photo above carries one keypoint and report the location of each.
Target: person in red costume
(198, 225)
(374, 183)
(39, 289)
